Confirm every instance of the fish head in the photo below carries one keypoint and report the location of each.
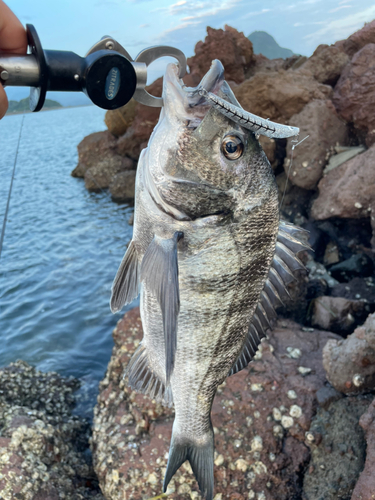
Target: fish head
(202, 160)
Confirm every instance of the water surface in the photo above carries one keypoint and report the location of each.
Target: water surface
(61, 249)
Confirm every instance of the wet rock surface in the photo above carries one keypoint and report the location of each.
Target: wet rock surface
(337, 456)
(260, 417)
(44, 452)
(350, 363)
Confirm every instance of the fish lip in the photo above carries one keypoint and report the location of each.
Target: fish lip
(191, 96)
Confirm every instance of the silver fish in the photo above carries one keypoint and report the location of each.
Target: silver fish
(208, 253)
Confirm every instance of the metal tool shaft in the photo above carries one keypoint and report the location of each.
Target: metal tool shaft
(19, 71)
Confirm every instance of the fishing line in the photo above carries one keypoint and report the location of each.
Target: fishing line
(290, 167)
(10, 189)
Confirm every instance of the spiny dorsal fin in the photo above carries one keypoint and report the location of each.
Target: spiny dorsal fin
(125, 286)
(143, 379)
(290, 240)
(159, 271)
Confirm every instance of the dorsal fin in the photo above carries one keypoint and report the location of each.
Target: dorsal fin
(290, 241)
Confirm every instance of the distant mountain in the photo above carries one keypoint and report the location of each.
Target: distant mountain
(23, 105)
(265, 44)
(64, 98)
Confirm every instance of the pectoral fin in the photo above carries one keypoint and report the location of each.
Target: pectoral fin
(159, 272)
(125, 286)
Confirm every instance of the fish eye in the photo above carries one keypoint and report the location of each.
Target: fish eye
(232, 147)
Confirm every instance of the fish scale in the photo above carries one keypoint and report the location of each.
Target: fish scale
(209, 255)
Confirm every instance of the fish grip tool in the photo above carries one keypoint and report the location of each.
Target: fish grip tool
(107, 74)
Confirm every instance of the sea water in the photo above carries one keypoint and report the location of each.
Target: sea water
(61, 250)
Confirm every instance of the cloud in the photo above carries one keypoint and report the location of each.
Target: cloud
(255, 13)
(339, 8)
(342, 28)
(144, 25)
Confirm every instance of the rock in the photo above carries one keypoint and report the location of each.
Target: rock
(136, 137)
(43, 448)
(131, 433)
(279, 96)
(359, 39)
(269, 147)
(326, 64)
(350, 363)
(95, 147)
(355, 90)
(317, 272)
(326, 395)
(325, 129)
(122, 186)
(231, 47)
(357, 288)
(331, 254)
(358, 265)
(337, 314)
(119, 120)
(100, 175)
(365, 487)
(345, 154)
(337, 456)
(348, 190)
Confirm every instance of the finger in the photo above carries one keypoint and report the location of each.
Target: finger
(12, 33)
(3, 102)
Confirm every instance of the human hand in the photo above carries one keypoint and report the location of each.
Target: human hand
(12, 39)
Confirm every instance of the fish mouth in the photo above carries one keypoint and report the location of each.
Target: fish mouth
(186, 102)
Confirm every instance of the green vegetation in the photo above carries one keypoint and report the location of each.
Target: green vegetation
(23, 105)
(265, 44)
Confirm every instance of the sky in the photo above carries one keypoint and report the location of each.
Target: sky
(299, 25)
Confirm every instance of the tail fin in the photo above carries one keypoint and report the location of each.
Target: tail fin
(201, 457)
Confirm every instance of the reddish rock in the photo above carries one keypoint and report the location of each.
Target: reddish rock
(355, 91)
(260, 417)
(348, 190)
(231, 47)
(365, 487)
(93, 148)
(325, 129)
(136, 137)
(350, 363)
(358, 39)
(122, 186)
(119, 120)
(101, 174)
(336, 314)
(279, 96)
(326, 64)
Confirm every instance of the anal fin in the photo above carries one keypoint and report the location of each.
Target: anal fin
(159, 272)
(143, 379)
(125, 286)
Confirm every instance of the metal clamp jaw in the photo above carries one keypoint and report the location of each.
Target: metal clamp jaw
(107, 74)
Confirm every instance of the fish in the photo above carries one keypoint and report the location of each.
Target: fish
(209, 257)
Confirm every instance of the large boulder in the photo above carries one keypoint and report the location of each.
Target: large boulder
(101, 174)
(99, 146)
(350, 363)
(260, 417)
(325, 129)
(355, 91)
(358, 40)
(279, 96)
(337, 314)
(231, 47)
(326, 64)
(348, 190)
(119, 120)
(122, 186)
